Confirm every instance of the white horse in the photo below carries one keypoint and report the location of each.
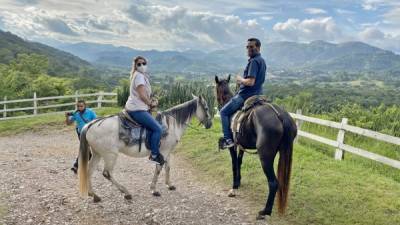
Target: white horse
(102, 138)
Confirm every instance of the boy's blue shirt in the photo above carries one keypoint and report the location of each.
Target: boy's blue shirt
(88, 115)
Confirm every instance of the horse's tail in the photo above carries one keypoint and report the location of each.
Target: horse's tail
(83, 163)
(285, 160)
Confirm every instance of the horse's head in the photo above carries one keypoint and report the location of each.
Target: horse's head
(224, 93)
(203, 112)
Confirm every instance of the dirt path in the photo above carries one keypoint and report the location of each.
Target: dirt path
(37, 187)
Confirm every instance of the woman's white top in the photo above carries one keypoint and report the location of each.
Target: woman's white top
(135, 103)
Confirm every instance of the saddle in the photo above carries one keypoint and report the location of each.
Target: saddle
(132, 133)
(241, 116)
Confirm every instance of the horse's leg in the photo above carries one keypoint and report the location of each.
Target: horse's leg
(109, 163)
(240, 159)
(167, 176)
(92, 167)
(154, 181)
(236, 181)
(267, 156)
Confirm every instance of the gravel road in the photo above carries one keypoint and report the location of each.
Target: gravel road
(37, 187)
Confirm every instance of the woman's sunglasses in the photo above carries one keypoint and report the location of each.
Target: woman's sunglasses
(140, 64)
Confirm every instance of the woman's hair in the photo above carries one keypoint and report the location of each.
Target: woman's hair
(134, 62)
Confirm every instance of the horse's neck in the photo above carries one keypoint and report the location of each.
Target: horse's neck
(179, 117)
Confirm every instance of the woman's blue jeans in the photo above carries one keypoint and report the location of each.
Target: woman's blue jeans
(154, 128)
(226, 113)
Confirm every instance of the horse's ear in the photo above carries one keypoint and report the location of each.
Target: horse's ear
(229, 78)
(216, 79)
(194, 96)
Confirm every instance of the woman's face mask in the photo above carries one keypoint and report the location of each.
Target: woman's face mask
(142, 67)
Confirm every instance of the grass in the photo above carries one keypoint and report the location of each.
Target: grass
(382, 148)
(14, 126)
(323, 190)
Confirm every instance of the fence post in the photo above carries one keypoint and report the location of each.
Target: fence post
(339, 154)
(34, 104)
(99, 99)
(76, 100)
(5, 107)
(298, 124)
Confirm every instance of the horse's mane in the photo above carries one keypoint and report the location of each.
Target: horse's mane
(182, 112)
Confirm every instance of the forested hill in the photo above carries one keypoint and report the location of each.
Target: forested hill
(59, 62)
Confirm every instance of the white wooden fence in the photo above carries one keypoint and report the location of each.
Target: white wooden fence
(36, 106)
(339, 144)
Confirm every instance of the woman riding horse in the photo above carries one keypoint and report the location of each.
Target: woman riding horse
(139, 104)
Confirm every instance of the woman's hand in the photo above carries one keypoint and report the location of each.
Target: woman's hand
(153, 103)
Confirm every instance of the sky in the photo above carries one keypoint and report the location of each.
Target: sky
(202, 25)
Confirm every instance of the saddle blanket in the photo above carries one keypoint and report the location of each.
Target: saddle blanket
(133, 133)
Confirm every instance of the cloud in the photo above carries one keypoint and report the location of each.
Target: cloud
(266, 18)
(32, 20)
(315, 11)
(344, 11)
(393, 15)
(371, 33)
(376, 37)
(196, 26)
(58, 26)
(373, 5)
(309, 29)
(28, 2)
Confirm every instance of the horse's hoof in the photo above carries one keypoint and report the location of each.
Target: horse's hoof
(232, 193)
(96, 199)
(128, 197)
(172, 188)
(260, 217)
(156, 194)
(261, 214)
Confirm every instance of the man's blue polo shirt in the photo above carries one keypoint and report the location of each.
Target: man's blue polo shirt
(256, 68)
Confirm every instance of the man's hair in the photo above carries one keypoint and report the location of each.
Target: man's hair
(81, 101)
(258, 42)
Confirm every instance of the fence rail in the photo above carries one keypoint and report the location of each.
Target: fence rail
(339, 144)
(36, 106)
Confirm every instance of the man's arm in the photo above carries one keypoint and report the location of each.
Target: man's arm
(251, 75)
(68, 120)
(246, 81)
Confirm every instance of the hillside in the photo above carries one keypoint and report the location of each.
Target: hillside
(316, 56)
(60, 62)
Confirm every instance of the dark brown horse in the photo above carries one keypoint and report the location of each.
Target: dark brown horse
(268, 132)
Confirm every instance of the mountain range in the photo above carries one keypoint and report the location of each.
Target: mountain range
(315, 56)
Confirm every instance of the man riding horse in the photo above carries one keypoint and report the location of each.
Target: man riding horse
(260, 125)
(250, 84)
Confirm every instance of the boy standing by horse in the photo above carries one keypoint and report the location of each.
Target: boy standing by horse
(81, 117)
